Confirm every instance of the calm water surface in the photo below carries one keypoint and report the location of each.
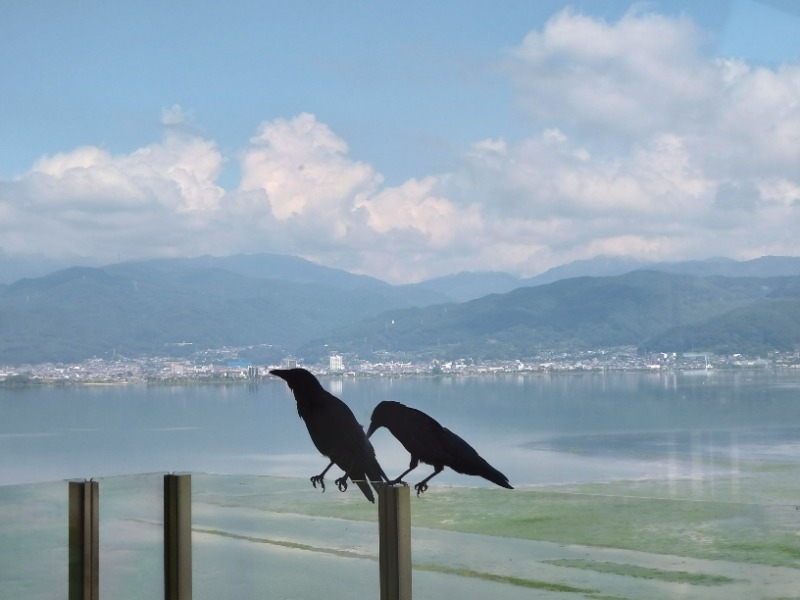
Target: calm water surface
(537, 429)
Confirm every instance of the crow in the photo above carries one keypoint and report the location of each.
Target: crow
(335, 432)
(427, 441)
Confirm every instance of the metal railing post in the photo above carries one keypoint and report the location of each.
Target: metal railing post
(84, 540)
(394, 527)
(178, 536)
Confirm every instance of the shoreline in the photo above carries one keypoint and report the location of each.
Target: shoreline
(28, 382)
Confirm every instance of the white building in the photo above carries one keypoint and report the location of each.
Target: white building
(336, 363)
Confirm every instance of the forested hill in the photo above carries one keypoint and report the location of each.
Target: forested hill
(277, 305)
(174, 307)
(653, 310)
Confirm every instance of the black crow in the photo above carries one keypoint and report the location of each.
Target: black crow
(427, 441)
(335, 432)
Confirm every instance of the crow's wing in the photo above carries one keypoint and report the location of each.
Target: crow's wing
(420, 434)
(463, 458)
(343, 440)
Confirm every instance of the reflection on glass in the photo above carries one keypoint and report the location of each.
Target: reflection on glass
(256, 536)
(33, 541)
(627, 485)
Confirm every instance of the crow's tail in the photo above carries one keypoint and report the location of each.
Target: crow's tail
(496, 476)
(363, 484)
(375, 476)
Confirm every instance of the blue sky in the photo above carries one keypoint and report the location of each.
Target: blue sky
(400, 141)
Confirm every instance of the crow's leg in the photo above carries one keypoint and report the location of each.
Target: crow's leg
(341, 483)
(319, 479)
(423, 485)
(399, 479)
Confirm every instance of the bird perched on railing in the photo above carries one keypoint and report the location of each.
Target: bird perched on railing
(427, 441)
(335, 432)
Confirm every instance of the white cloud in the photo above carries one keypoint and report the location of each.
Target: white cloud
(328, 205)
(641, 145)
(754, 127)
(645, 72)
(179, 172)
(92, 203)
(671, 153)
(174, 116)
(415, 207)
(304, 169)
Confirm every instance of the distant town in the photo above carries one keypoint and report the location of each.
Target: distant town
(226, 367)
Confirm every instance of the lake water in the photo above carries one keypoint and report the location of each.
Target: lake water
(537, 429)
(629, 485)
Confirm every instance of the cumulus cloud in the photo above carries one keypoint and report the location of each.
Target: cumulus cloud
(304, 169)
(325, 204)
(89, 202)
(670, 152)
(173, 116)
(640, 144)
(645, 72)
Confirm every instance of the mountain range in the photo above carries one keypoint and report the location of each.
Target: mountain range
(271, 305)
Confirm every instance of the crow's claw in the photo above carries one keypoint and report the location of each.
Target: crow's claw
(421, 487)
(317, 479)
(396, 482)
(341, 483)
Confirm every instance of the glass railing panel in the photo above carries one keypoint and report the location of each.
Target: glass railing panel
(615, 540)
(33, 541)
(256, 536)
(271, 536)
(132, 536)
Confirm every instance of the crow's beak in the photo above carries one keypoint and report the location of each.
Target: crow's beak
(372, 428)
(278, 373)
